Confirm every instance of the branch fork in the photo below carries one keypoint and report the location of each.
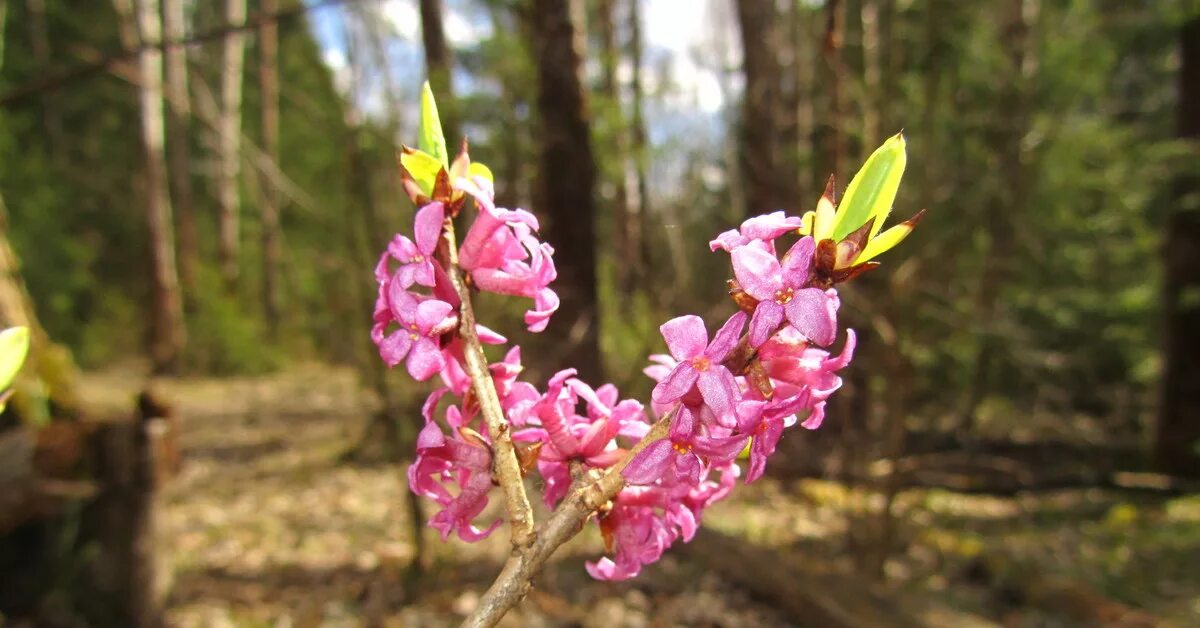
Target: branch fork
(590, 492)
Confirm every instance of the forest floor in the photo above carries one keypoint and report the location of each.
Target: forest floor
(266, 525)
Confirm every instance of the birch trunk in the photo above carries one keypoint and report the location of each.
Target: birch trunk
(179, 112)
(167, 330)
(229, 141)
(268, 85)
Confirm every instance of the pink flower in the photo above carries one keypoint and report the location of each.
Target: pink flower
(700, 363)
(760, 231)
(790, 363)
(416, 259)
(637, 533)
(467, 463)
(765, 422)
(415, 342)
(568, 436)
(503, 256)
(683, 456)
(782, 293)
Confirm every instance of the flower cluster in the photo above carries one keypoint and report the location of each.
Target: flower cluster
(727, 398)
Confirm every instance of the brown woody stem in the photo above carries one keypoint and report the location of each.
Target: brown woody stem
(588, 493)
(505, 467)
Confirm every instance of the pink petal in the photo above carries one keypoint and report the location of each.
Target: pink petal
(757, 271)
(650, 464)
(424, 360)
(427, 227)
(545, 304)
(676, 384)
(721, 450)
(395, 347)
(770, 226)
(683, 424)
(431, 314)
(720, 393)
(687, 467)
(798, 261)
(491, 337)
(767, 317)
(726, 338)
(813, 313)
(749, 415)
(846, 355)
(815, 419)
(686, 336)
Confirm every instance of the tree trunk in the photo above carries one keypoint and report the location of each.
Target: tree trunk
(167, 328)
(804, 59)
(638, 198)
(872, 76)
(179, 156)
(229, 140)
(623, 255)
(567, 179)
(1177, 442)
(761, 158)
(439, 62)
(268, 85)
(835, 72)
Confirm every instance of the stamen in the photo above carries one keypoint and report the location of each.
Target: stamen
(782, 297)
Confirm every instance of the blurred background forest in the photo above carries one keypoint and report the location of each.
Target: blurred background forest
(194, 193)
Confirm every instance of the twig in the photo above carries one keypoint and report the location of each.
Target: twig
(505, 467)
(588, 493)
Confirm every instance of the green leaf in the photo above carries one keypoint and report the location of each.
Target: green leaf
(431, 138)
(873, 190)
(884, 242)
(14, 346)
(477, 169)
(423, 167)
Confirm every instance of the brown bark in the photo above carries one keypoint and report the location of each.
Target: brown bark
(802, 103)
(1177, 440)
(567, 180)
(167, 330)
(638, 200)
(121, 524)
(268, 85)
(178, 147)
(835, 79)
(229, 136)
(439, 61)
(624, 257)
(872, 75)
(762, 158)
(626, 200)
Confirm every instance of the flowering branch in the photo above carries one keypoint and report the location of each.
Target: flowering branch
(588, 494)
(722, 399)
(506, 468)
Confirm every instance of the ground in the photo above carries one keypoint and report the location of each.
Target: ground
(266, 525)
